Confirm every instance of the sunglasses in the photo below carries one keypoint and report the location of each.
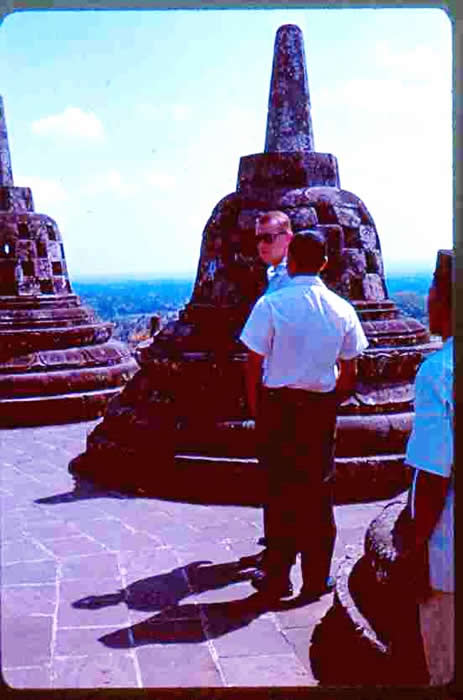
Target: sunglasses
(268, 237)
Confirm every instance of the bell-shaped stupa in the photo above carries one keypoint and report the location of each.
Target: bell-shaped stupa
(57, 362)
(189, 400)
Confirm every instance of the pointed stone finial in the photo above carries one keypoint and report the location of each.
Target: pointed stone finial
(289, 124)
(6, 173)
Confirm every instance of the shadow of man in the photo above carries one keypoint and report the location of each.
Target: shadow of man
(176, 623)
(166, 590)
(186, 624)
(81, 491)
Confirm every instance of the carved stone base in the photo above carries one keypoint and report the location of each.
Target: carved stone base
(57, 362)
(372, 629)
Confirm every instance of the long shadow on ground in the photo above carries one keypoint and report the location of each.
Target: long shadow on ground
(190, 623)
(211, 485)
(164, 590)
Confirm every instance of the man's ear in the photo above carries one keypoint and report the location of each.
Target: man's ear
(324, 263)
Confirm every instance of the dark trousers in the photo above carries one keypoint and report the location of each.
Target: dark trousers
(296, 432)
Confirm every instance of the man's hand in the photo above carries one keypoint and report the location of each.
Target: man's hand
(346, 379)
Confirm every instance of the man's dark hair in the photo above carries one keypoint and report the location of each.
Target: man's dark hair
(443, 276)
(308, 251)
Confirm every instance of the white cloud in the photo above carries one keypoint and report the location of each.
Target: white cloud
(73, 123)
(160, 180)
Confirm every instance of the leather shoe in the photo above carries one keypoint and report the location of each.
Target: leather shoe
(272, 585)
(309, 593)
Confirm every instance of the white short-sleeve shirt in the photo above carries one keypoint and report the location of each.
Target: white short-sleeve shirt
(302, 329)
(430, 448)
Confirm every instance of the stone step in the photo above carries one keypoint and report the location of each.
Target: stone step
(52, 382)
(14, 342)
(51, 410)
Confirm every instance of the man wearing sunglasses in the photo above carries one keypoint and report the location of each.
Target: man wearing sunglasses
(273, 235)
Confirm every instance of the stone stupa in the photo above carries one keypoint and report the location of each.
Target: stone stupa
(57, 362)
(188, 399)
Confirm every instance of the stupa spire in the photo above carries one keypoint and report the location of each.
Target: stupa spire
(289, 122)
(6, 173)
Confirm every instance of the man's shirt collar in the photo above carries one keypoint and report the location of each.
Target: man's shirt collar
(273, 270)
(305, 279)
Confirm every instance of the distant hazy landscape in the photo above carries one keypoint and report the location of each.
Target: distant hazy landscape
(130, 303)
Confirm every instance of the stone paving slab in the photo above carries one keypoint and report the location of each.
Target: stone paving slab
(103, 590)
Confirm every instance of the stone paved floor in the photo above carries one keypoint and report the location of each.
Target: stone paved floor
(100, 590)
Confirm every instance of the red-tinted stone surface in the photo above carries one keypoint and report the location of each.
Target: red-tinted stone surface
(139, 613)
(57, 362)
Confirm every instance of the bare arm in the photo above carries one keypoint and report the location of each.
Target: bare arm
(430, 494)
(253, 379)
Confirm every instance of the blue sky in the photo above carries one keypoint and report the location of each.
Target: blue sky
(129, 126)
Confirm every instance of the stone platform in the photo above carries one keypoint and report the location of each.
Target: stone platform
(101, 590)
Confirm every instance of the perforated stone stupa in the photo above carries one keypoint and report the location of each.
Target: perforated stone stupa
(57, 362)
(189, 397)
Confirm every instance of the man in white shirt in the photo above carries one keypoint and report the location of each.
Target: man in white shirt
(430, 451)
(306, 339)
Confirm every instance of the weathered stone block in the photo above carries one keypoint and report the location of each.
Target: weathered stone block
(54, 250)
(290, 169)
(294, 198)
(325, 212)
(42, 268)
(26, 249)
(17, 199)
(351, 237)
(247, 219)
(368, 237)
(374, 261)
(59, 284)
(347, 216)
(302, 217)
(355, 261)
(334, 236)
(373, 287)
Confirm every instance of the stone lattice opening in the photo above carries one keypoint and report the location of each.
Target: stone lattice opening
(51, 232)
(28, 267)
(46, 287)
(23, 230)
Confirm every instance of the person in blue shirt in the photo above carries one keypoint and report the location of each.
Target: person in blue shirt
(430, 452)
(273, 236)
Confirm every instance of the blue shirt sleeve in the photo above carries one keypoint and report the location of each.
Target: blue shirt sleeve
(430, 446)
